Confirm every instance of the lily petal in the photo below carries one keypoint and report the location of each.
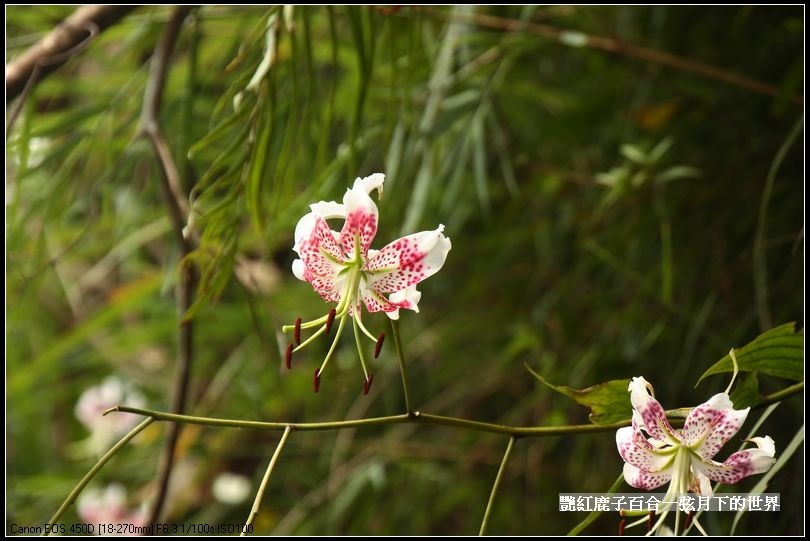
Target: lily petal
(635, 450)
(407, 261)
(743, 463)
(370, 183)
(375, 302)
(652, 414)
(360, 226)
(407, 298)
(710, 425)
(643, 480)
(329, 210)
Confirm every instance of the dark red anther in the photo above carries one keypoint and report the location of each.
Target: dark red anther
(316, 380)
(297, 333)
(378, 347)
(367, 384)
(329, 320)
(622, 522)
(650, 520)
(288, 357)
(688, 521)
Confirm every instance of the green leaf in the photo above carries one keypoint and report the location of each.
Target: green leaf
(777, 352)
(609, 402)
(746, 392)
(677, 172)
(634, 154)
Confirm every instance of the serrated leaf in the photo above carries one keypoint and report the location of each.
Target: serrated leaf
(778, 352)
(609, 402)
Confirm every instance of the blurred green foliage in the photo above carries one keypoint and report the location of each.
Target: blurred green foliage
(581, 246)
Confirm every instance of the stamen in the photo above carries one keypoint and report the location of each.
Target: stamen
(622, 522)
(378, 347)
(316, 380)
(334, 344)
(650, 520)
(367, 384)
(688, 521)
(297, 333)
(359, 347)
(288, 357)
(358, 317)
(330, 319)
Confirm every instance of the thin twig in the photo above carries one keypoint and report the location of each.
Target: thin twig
(495, 485)
(263, 486)
(401, 359)
(615, 46)
(674, 416)
(178, 211)
(59, 45)
(94, 470)
(415, 418)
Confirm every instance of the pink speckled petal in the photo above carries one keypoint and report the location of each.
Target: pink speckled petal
(360, 225)
(652, 414)
(643, 480)
(710, 425)
(321, 257)
(375, 302)
(635, 450)
(315, 244)
(407, 261)
(741, 464)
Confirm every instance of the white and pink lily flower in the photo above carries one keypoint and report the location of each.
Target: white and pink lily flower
(656, 454)
(342, 267)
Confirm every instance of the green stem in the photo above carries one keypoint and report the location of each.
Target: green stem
(401, 359)
(760, 256)
(495, 485)
(95, 469)
(674, 416)
(778, 396)
(403, 418)
(263, 486)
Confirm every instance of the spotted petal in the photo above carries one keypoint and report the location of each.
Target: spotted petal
(743, 463)
(360, 226)
(644, 480)
(710, 425)
(636, 450)
(652, 414)
(407, 261)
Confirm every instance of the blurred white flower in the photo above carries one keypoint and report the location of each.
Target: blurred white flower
(231, 488)
(104, 430)
(108, 506)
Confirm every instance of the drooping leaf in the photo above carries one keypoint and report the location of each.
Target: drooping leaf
(609, 402)
(777, 352)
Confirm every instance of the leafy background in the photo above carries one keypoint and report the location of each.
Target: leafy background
(603, 212)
